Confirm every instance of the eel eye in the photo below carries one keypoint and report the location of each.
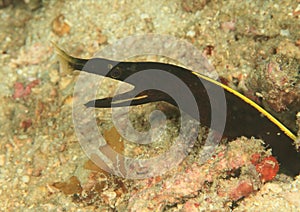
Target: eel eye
(115, 73)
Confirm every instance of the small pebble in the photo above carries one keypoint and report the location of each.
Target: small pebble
(285, 32)
(64, 82)
(275, 188)
(2, 160)
(191, 33)
(144, 16)
(59, 26)
(69, 100)
(25, 179)
(19, 171)
(54, 76)
(102, 39)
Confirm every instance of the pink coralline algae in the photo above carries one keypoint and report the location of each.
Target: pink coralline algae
(217, 171)
(244, 189)
(22, 91)
(267, 168)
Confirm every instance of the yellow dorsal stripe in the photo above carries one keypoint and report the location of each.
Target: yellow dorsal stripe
(252, 103)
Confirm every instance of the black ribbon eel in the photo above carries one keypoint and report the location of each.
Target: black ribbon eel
(244, 116)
